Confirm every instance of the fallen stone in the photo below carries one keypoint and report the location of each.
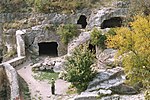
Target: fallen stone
(107, 79)
(114, 97)
(124, 89)
(87, 97)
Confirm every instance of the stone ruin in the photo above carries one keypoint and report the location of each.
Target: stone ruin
(37, 41)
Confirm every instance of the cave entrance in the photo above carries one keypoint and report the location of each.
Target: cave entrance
(92, 48)
(48, 48)
(112, 22)
(82, 21)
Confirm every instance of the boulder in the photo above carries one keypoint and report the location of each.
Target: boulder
(107, 79)
(110, 81)
(113, 97)
(87, 96)
(124, 89)
(106, 58)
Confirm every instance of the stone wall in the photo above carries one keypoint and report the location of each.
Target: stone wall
(9, 68)
(4, 86)
(12, 76)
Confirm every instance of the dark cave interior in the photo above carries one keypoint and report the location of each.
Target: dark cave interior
(82, 21)
(48, 48)
(112, 22)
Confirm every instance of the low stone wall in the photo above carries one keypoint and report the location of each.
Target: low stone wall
(13, 80)
(12, 76)
(16, 61)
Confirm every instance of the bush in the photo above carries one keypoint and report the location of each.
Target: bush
(67, 32)
(147, 94)
(78, 67)
(133, 45)
(97, 38)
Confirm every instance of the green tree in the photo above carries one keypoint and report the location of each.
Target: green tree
(97, 38)
(78, 67)
(133, 45)
(67, 32)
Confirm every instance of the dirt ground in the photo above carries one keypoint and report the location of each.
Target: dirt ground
(41, 90)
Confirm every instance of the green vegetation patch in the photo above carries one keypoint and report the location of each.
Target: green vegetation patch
(133, 44)
(46, 75)
(67, 32)
(78, 67)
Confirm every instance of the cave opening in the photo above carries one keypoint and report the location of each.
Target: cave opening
(92, 48)
(48, 48)
(112, 22)
(82, 21)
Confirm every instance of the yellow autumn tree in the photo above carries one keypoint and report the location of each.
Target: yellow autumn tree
(133, 44)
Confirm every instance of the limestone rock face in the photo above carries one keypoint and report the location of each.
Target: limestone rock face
(38, 35)
(83, 38)
(10, 38)
(106, 58)
(107, 79)
(98, 16)
(110, 81)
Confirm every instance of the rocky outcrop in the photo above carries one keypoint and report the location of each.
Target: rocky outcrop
(81, 39)
(107, 79)
(98, 16)
(10, 42)
(39, 35)
(106, 83)
(106, 59)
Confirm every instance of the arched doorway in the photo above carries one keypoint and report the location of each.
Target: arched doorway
(82, 21)
(48, 48)
(112, 22)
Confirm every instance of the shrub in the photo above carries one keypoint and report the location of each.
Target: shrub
(97, 38)
(133, 45)
(78, 67)
(67, 32)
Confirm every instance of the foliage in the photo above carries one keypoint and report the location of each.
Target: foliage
(78, 67)
(67, 32)
(71, 90)
(47, 6)
(111, 32)
(45, 75)
(10, 6)
(134, 45)
(147, 94)
(139, 7)
(97, 38)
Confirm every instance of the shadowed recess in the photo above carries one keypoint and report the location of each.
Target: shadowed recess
(48, 48)
(112, 22)
(82, 21)
(92, 48)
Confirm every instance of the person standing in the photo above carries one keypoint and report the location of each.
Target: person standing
(53, 86)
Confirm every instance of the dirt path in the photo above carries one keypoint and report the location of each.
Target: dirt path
(40, 90)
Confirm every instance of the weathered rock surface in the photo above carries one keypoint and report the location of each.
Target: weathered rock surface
(107, 79)
(10, 42)
(124, 89)
(106, 83)
(97, 17)
(106, 58)
(91, 96)
(83, 37)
